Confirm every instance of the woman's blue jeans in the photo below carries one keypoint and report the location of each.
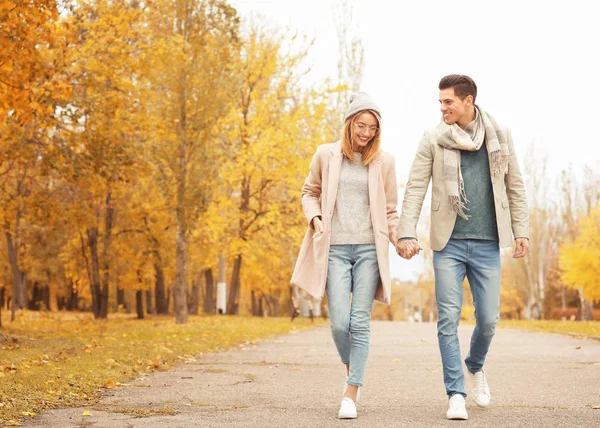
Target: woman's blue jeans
(352, 271)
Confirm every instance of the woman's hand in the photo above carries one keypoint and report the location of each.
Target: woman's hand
(317, 224)
(407, 248)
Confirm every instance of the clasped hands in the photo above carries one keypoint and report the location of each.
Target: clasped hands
(408, 248)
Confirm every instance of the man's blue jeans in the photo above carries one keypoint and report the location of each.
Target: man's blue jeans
(479, 260)
(352, 269)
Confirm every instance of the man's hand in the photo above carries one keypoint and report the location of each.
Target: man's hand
(521, 248)
(317, 225)
(407, 248)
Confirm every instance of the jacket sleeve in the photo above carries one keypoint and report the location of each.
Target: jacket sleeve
(516, 193)
(311, 190)
(416, 189)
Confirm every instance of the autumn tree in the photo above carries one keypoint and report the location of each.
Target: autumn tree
(195, 92)
(103, 126)
(30, 88)
(272, 132)
(580, 260)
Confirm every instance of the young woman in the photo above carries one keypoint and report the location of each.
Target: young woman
(349, 199)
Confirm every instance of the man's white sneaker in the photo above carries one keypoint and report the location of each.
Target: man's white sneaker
(480, 389)
(346, 387)
(457, 408)
(347, 409)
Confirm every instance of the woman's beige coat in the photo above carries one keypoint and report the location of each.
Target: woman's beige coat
(318, 199)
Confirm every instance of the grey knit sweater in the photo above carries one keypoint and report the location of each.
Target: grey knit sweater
(351, 222)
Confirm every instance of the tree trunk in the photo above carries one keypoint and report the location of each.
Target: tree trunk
(275, 306)
(195, 297)
(1, 304)
(92, 234)
(120, 298)
(209, 297)
(585, 307)
(260, 310)
(40, 298)
(532, 308)
(162, 305)
(254, 306)
(180, 287)
(108, 223)
(18, 276)
(35, 297)
(139, 304)
(234, 292)
(73, 303)
(45, 297)
(149, 307)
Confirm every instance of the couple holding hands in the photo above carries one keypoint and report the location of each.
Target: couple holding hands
(478, 205)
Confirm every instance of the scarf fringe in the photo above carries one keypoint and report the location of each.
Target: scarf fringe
(459, 206)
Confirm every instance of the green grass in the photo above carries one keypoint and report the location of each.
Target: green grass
(50, 360)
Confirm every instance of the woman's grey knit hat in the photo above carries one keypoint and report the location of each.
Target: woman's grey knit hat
(360, 101)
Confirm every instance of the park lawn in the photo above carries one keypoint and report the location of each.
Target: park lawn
(583, 328)
(50, 360)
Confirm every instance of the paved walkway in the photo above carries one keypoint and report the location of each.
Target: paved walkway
(536, 379)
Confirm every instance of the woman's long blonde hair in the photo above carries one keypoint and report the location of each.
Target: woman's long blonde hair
(371, 150)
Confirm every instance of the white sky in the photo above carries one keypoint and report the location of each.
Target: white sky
(535, 64)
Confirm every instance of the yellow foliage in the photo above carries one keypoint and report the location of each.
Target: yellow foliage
(580, 260)
(137, 137)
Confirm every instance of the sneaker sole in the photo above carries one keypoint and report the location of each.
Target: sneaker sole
(481, 405)
(458, 417)
(347, 416)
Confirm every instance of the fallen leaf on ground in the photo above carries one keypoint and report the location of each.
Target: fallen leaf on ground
(86, 413)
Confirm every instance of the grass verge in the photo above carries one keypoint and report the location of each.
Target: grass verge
(589, 329)
(50, 360)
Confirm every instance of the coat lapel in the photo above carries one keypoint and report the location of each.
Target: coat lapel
(374, 173)
(333, 179)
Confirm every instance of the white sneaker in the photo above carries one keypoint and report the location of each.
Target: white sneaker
(347, 409)
(346, 387)
(480, 389)
(457, 408)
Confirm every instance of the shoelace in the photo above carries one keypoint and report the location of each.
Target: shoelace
(480, 384)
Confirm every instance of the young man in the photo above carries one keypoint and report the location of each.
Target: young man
(478, 204)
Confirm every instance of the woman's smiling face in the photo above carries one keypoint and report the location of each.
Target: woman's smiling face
(364, 129)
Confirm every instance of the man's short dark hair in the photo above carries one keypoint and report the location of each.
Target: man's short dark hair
(463, 85)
